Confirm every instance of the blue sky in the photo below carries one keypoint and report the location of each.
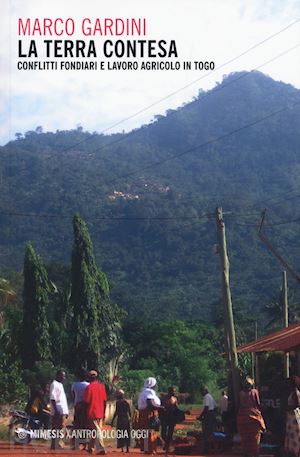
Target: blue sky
(215, 30)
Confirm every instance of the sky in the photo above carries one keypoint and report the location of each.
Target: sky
(204, 30)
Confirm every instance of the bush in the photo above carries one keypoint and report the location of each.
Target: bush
(12, 387)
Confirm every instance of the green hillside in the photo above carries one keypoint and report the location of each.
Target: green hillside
(158, 253)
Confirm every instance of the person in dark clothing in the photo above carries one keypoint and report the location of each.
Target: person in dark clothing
(45, 408)
(168, 417)
(38, 406)
(77, 390)
(123, 415)
(207, 417)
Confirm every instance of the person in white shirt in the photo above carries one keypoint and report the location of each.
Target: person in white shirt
(207, 416)
(59, 407)
(79, 387)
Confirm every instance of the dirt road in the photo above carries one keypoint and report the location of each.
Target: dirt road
(6, 449)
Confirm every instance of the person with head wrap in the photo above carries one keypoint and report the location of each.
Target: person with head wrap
(123, 415)
(250, 422)
(292, 437)
(148, 405)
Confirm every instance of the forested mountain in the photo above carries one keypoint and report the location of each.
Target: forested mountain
(237, 146)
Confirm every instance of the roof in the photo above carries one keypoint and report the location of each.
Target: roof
(283, 340)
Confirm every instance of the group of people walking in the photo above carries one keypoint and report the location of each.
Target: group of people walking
(153, 413)
(157, 413)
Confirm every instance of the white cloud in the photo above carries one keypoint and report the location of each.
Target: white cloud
(203, 29)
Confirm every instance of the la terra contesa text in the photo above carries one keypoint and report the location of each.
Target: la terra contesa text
(110, 37)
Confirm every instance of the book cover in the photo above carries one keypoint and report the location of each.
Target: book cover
(131, 133)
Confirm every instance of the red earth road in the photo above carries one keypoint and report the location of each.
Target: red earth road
(6, 449)
(36, 450)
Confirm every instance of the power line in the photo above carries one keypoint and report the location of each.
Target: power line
(107, 218)
(237, 214)
(247, 225)
(275, 224)
(271, 224)
(104, 218)
(137, 113)
(155, 218)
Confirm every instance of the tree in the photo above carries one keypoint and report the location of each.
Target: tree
(95, 326)
(84, 298)
(171, 350)
(35, 326)
(12, 387)
(39, 129)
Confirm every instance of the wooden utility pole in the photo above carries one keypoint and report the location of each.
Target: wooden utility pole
(228, 314)
(285, 307)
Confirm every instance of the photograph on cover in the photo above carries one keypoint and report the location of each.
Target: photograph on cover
(149, 183)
